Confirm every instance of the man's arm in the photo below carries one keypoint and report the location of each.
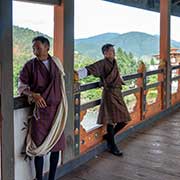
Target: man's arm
(95, 69)
(24, 87)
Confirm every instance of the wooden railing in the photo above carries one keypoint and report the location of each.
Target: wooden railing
(142, 110)
(175, 98)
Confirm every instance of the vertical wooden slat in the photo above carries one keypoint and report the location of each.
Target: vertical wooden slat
(64, 49)
(161, 88)
(6, 81)
(77, 98)
(144, 92)
(165, 47)
(141, 82)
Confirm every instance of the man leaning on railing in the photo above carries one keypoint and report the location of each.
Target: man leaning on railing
(113, 111)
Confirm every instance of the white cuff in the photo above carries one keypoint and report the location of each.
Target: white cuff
(82, 73)
(22, 87)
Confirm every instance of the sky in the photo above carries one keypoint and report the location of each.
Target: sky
(93, 17)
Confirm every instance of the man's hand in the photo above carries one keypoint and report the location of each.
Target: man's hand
(39, 100)
(76, 76)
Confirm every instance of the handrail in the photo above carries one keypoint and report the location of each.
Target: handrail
(153, 85)
(132, 76)
(21, 101)
(175, 67)
(89, 86)
(149, 73)
(175, 78)
(94, 85)
(98, 101)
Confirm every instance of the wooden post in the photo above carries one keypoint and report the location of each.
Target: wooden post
(161, 88)
(165, 47)
(141, 82)
(64, 49)
(59, 31)
(178, 73)
(6, 91)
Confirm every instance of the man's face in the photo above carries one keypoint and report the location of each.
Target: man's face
(40, 49)
(110, 53)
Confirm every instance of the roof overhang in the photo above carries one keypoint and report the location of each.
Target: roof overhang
(50, 2)
(151, 5)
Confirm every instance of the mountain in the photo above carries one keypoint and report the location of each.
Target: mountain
(138, 43)
(22, 43)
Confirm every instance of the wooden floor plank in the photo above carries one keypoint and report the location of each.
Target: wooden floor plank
(149, 154)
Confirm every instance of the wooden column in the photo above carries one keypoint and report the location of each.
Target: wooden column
(59, 31)
(141, 83)
(165, 47)
(64, 49)
(6, 91)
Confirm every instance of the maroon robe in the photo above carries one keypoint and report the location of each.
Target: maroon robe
(47, 83)
(113, 108)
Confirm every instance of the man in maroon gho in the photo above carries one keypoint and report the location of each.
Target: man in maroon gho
(113, 111)
(40, 80)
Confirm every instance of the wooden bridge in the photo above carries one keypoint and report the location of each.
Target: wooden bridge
(149, 154)
(150, 141)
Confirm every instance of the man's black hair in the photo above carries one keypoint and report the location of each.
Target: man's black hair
(42, 39)
(105, 47)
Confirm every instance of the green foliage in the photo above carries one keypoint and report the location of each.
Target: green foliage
(126, 62)
(22, 51)
(16, 70)
(152, 61)
(151, 95)
(152, 79)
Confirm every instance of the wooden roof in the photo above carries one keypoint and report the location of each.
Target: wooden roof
(152, 5)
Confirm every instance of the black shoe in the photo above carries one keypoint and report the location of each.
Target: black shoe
(110, 141)
(114, 150)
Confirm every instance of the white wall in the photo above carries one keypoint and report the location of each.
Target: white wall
(24, 170)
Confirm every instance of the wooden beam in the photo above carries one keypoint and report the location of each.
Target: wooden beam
(6, 91)
(165, 46)
(175, 2)
(175, 10)
(50, 2)
(64, 49)
(151, 5)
